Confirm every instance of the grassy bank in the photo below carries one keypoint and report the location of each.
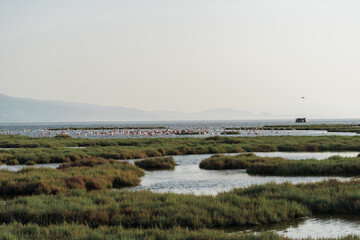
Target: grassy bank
(88, 174)
(322, 127)
(330, 196)
(82, 232)
(224, 162)
(254, 205)
(333, 166)
(47, 150)
(165, 163)
(148, 210)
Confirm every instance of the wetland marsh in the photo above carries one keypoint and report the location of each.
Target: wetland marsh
(184, 201)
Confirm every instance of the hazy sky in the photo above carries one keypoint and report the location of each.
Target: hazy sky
(185, 55)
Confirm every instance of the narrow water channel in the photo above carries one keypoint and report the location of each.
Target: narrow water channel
(189, 178)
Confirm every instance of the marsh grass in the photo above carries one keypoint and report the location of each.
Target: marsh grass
(256, 205)
(333, 166)
(223, 162)
(87, 174)
(50, 150)
(82, 232)
(322, 127)
(165, 163)
(147, 210)
(331, 196)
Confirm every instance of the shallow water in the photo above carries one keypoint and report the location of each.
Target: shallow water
(19, 167)
(189, 178)
(323, 227)
(319, 226)
(306, 155)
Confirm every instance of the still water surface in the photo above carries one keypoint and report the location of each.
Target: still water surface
(320, 226)
(189, 178)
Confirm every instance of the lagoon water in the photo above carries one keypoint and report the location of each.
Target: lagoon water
(323, 227)
(189, 178)
(319, 226)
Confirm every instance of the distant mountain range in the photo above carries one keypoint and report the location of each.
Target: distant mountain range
(13, 109)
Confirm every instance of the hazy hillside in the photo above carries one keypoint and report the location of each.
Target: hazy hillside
(28, 110)
(14, 109)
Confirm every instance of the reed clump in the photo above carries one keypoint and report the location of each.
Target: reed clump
(50, 150)
(82, 232)
(165, 163)
(333, 166)
(78, 175)
(255, 205)
(148, 210)
(222, 162)
(323, 127)
(331, 196)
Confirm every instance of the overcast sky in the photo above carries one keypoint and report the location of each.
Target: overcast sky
(188, 55)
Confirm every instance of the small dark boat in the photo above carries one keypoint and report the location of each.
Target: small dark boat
(301, 120)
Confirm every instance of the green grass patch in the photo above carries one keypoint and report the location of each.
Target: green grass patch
(256, 205)
(165, 163)
(307, 126)
(87, 174)
(333, 166)
(148, 210)
(83, 232)
(326, 197)
(51, 150)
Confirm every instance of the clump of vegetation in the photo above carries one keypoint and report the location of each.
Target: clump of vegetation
(64, 136)
(147, 210)
(256, 205)
(230, 133)
(81, 232)
(50, 150)
(331, 196)
(100, 175)
(30, 163)
(221, 162)
(85, 162)
(253, 164)
(165, 163)
(12, 162)
(333, 166)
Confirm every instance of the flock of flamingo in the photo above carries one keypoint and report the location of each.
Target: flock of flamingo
(138, 133)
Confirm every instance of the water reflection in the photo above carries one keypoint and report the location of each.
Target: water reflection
(19, 167)
(324, 227)
(319, 226)
(306, 155)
